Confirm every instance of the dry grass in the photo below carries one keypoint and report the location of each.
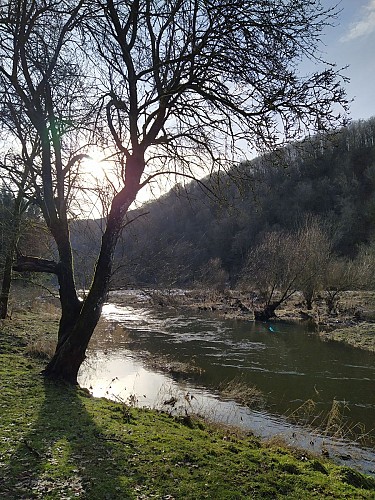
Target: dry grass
(42, 348)
(241, 392)
(33, 298)
(332, 423)
(360, 335)
(46, 305)
(38, 311)
(166, 364)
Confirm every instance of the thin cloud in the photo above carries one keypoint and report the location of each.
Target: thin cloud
(364, 26)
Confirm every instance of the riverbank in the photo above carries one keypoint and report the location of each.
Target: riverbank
(58, 443)
(352, 323)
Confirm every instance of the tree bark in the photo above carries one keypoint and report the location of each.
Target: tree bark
(74, 335)
(35, 265)
(5, 288)
(267, 313)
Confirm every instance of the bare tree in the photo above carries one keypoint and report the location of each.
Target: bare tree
(315, 249)
(286, 262)
(184, 85)
(43, 114)
(273, 269)
(213, 276)
(7, 245)
(364, 265)
(15, 175)
(18, 207)
(341, 275)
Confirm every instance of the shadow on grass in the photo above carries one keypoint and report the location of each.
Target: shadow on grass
(61, 453)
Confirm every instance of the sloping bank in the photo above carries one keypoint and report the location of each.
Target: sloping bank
(361, 336)
(58, 443)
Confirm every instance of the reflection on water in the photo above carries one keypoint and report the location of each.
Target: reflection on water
(289, 365)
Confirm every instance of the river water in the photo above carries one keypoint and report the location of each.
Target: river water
(300, 377)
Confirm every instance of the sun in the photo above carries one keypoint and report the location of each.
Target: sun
(98, 166)
(94, 185)
(100, 179)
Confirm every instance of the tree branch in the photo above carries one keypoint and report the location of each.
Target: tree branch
(35, 265)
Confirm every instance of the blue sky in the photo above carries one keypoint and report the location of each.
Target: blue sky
(352, 42)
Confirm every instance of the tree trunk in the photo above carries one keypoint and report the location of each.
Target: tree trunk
(70, 303)
(308, 296)
(331, 302)
(71, 348)
(5, 287)
(78, 326)
(12, 244)
(267, 313)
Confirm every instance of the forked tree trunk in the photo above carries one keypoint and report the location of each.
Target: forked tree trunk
(70, 354)
(76, 332)
(78, 319)
(74, 339)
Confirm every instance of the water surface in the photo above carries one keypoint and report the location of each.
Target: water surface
(288, 363)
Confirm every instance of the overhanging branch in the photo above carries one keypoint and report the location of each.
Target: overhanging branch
(35, 265)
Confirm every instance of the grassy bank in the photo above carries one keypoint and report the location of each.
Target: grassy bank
(58, 443)
(361, 336)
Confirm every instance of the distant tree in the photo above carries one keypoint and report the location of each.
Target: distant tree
(341, 275)
(273, 269)
(6, 205)
(315, 253)
(21, 231)
(286, 262)
(12, 236)
(177, 85)
(364, 264)
(6, 239)
(213, 276)
(14, 206)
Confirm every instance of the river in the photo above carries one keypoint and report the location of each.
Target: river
(299, 376)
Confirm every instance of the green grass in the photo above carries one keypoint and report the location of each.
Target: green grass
(58, 443)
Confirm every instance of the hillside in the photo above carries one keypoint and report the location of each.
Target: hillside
(332, 179)
(191, 232)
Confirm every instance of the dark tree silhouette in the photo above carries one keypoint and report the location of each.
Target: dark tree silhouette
(179, 87)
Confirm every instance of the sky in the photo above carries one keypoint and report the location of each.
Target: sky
(352, 43)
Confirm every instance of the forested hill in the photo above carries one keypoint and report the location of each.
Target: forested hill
(184, 238)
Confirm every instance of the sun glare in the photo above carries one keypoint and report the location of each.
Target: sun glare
(97, 166)
(93, 191)
(100, 180)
